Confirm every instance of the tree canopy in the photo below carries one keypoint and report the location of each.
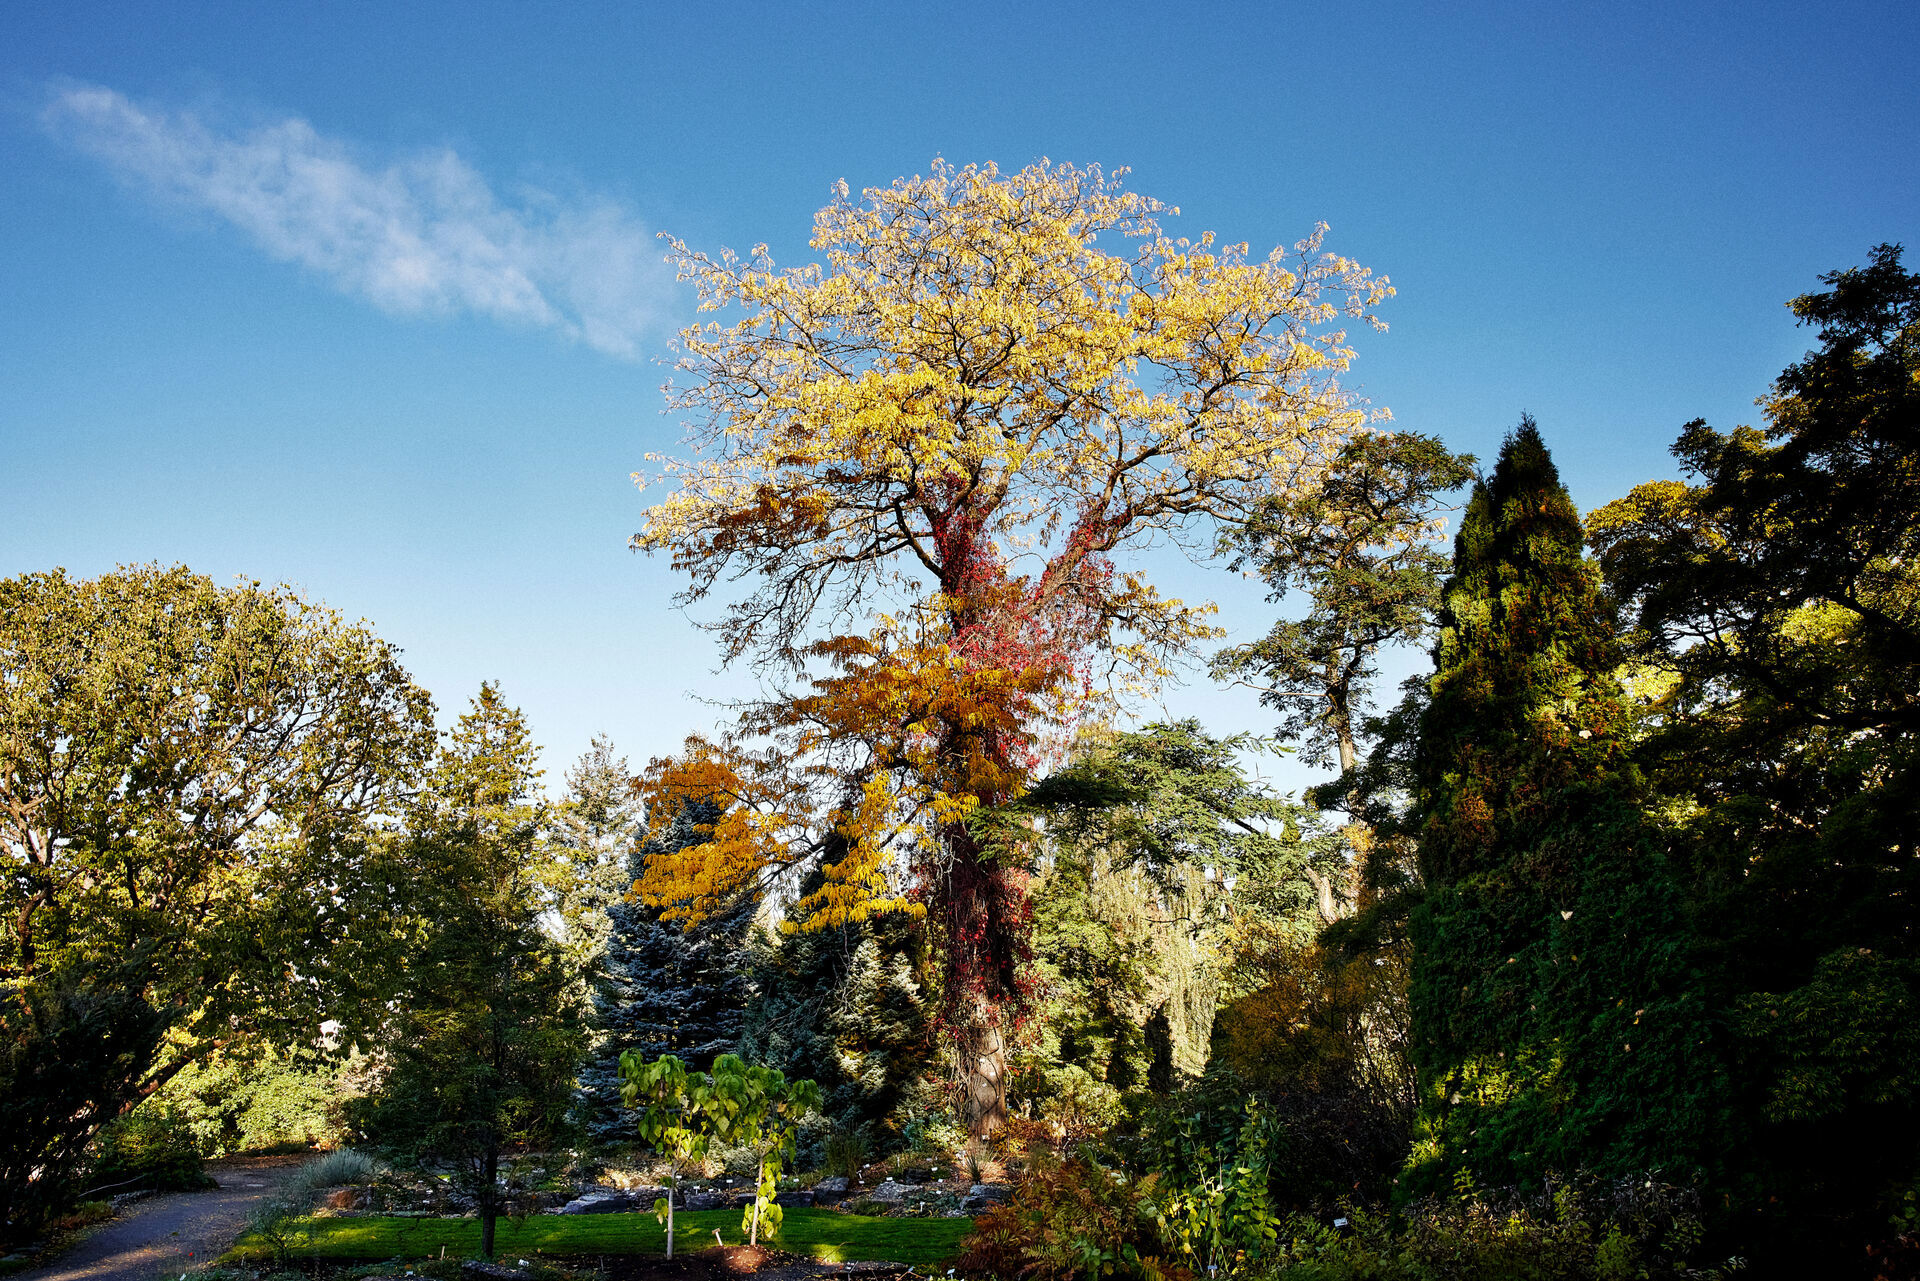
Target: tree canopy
(941, 439)
(188, 777)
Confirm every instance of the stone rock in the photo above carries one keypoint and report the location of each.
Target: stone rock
(797, 1197)
(890, 1190)
(600, 1201)
(704, 1201)
(833, 1183)
(982, 1195)
(475, 1270)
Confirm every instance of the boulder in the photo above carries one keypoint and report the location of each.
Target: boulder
(890, 1190)
(704, 1201)
(600, 1201)
(983, 1195)
(799, 1196)
(348, 1199)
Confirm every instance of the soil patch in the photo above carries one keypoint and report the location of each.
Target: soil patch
(736, 1262)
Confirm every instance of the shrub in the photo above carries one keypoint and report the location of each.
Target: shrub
(1321, 1149)
(1068, 1221)
(844, 1152)
(1584, 1230)
(933, 1133)
(337, 1169)
(278, 1221)
(152, 1148)
(1216, 1201)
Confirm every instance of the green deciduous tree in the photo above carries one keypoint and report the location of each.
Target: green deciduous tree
(187, 777)
(678, 1117)
(1775, 602)
(761, 1111)
(1360, 545)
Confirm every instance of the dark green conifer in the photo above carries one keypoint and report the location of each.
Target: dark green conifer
(1555, 1023)
(851, 1009)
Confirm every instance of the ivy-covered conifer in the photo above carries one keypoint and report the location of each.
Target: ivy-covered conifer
(662, 989)
(1554, 1023)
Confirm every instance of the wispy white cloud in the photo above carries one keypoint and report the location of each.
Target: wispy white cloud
(424, 233)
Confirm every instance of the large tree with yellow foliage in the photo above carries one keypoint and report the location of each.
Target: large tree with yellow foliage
(923, 457)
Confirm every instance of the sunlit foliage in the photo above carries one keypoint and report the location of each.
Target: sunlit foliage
(944, 434)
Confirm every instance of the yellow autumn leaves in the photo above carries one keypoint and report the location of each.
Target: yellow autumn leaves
(988, 386)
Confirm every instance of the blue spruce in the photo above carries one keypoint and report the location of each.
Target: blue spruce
(662, 989)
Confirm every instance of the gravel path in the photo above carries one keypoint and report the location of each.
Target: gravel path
(173, 1233)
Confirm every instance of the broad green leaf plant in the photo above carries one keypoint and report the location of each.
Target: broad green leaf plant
(678, 1119)
(763, 1110)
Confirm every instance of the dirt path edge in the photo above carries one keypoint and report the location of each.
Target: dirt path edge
(172, 1233)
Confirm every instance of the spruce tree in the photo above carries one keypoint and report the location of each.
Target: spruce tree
(1555, 1025)
(482, 1041)
(594, 834)
(662, 989)
(849, 1008)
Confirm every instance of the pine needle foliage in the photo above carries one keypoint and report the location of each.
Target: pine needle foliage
(851, 1007)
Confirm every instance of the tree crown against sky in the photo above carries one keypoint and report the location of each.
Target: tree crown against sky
(190, 769)
(1001, 377)
(941, 438)
(927, 456)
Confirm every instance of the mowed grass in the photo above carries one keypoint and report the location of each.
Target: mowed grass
(822, 1234)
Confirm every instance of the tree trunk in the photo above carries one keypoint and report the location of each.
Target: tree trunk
(489, 1201)
(753, 1216)
(985, 918)
(983, 1076)
(670, 1192)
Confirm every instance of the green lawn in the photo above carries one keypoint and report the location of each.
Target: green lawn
(820, 1233)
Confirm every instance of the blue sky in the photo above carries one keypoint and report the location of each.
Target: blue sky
(366, 297)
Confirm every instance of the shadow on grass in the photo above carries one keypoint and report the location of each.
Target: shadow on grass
(821, 1234)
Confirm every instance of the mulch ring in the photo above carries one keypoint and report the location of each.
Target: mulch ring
(729, 1263)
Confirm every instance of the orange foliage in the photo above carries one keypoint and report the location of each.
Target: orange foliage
(903, 739)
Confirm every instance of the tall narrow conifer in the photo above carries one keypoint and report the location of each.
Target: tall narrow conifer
(851, 1008)
(1554, 1022)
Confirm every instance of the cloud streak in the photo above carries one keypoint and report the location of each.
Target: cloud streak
(422, 235)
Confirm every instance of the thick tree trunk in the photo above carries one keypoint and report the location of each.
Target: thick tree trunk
(985, 915)
(983, 1077)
